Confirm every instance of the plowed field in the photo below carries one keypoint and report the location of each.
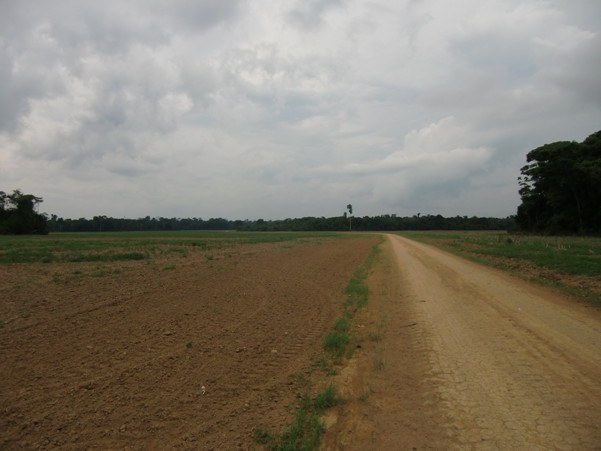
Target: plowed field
(186, 352)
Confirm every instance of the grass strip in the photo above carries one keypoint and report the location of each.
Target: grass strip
(306, 431)
(337, 341)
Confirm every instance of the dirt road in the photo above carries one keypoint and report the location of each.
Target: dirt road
(471, 358)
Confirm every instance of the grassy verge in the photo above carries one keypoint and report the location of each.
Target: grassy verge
(338, 340)
(572, 264)
(306, 430)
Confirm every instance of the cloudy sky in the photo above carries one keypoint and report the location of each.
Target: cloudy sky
(275, 109)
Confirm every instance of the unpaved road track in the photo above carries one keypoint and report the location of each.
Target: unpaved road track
(475, 359)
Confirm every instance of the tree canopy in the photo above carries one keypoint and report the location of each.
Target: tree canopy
(560, 188)
(309, 223)
(18, 214)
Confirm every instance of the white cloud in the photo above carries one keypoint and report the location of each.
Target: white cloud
(271, 109)
(434, 156)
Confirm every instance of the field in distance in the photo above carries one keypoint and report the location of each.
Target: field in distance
(187, 339)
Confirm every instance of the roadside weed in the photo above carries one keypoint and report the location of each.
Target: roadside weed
(262, 436)
(326, 399)
(306, 430)
(335, 342)
(357, 293)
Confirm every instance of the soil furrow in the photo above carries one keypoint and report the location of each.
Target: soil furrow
(119, 361)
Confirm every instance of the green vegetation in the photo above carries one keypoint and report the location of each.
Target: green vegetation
(306, 430)
(101, 224)
(326, 399)
(546, 259)
(337, 340)
(357, 293)
(18, 214)
(390, 222)
(122, 246)
(262, 436)
(570, 255)
(560, 188)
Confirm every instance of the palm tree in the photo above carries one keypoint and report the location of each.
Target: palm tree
(349, 207)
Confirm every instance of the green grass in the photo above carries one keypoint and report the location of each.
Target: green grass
(262, 436)
(569, 255)
(336, 342)
(306, 430)
(548, 260)
(122, 246)
(338, 339)
(326, 399)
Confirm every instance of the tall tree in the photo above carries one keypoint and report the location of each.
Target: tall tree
(349, 207)
(560, 187)
(18, 214)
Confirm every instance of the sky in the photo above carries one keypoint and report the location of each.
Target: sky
(247, 109)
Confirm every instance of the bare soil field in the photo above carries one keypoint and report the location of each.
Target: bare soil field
(177, 352)
(457, 355)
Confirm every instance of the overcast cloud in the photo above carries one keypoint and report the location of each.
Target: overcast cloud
(275, 109)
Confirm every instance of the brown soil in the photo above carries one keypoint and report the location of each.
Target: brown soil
(117, 356)
(462, 356)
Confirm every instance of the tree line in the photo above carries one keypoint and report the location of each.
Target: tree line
(387, 223)
(337, 223)
(18, 215)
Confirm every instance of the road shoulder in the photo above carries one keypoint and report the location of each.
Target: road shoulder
(388, 387)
